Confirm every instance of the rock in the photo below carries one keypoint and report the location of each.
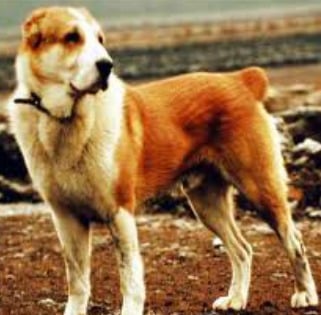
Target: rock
(14, 180)
(308, 146)
(11, 161)
(279, 275)
(303, 122)
(260, 229)
(192, 277)
(313, 213)
(217, 242)
(11, 191)
(48, 302)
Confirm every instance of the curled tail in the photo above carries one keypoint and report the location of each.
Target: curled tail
(256, 80)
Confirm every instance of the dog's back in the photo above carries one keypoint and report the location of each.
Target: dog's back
(186, 119)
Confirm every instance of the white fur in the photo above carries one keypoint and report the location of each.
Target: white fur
(130, 263)
(54, 154)
(62, 173)
(61, 71)
(91, 52)
(99, 122)
(75, 239)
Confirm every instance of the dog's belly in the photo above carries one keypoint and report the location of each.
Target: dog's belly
(189, 180)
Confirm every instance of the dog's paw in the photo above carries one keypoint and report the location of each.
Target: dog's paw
(69, 312)
(224, 303)
(74, 309)
(304, 299)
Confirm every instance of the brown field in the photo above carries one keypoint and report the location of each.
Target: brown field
(184, 272)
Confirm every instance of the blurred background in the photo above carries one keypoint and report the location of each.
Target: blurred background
(151, 39)
(129, 12)
(159, 38)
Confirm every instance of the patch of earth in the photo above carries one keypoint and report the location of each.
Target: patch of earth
(184, 272)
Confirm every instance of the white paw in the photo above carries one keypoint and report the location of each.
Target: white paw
(132, 306)
(230, 302)
(73, 308)
(71, 312)
(304, 299)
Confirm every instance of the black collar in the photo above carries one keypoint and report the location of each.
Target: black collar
(35, 101)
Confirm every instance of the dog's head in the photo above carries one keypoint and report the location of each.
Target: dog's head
(62, 54)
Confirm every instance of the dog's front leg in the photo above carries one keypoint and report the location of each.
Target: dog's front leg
(75, 238)
(124, 232)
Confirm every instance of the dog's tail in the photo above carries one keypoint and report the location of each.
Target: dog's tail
(256, 81)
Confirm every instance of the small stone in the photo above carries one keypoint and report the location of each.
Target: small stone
(47, 302)
(309, 146)
(191, 277)
(313, 213)
(217, 242)
(279, 275)
(301, 161)
(10, 277)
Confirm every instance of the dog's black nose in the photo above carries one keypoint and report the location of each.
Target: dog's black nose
(104, 67)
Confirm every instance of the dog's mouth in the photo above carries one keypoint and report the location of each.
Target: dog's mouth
(99, 85)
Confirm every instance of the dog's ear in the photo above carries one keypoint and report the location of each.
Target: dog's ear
(84, 11)
(31, 30)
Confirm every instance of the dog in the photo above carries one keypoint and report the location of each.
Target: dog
(96, 148)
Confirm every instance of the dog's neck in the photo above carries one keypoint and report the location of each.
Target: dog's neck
(35, 101)
(52, 101)
(65, 141)
(52, 98)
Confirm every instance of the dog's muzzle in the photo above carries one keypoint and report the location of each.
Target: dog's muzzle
(104, 68)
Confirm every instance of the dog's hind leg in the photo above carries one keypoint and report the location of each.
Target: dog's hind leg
(124, 232)
(75, 238)
(256, 168)
(212, 202)
(274, 208)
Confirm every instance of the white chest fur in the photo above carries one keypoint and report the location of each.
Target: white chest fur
(74, 164)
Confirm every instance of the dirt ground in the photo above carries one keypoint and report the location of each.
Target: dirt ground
(184, 272)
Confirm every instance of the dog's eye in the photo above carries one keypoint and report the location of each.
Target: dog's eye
(100, 39)
(72, 38)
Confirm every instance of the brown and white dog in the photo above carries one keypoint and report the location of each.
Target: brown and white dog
(96, 148)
